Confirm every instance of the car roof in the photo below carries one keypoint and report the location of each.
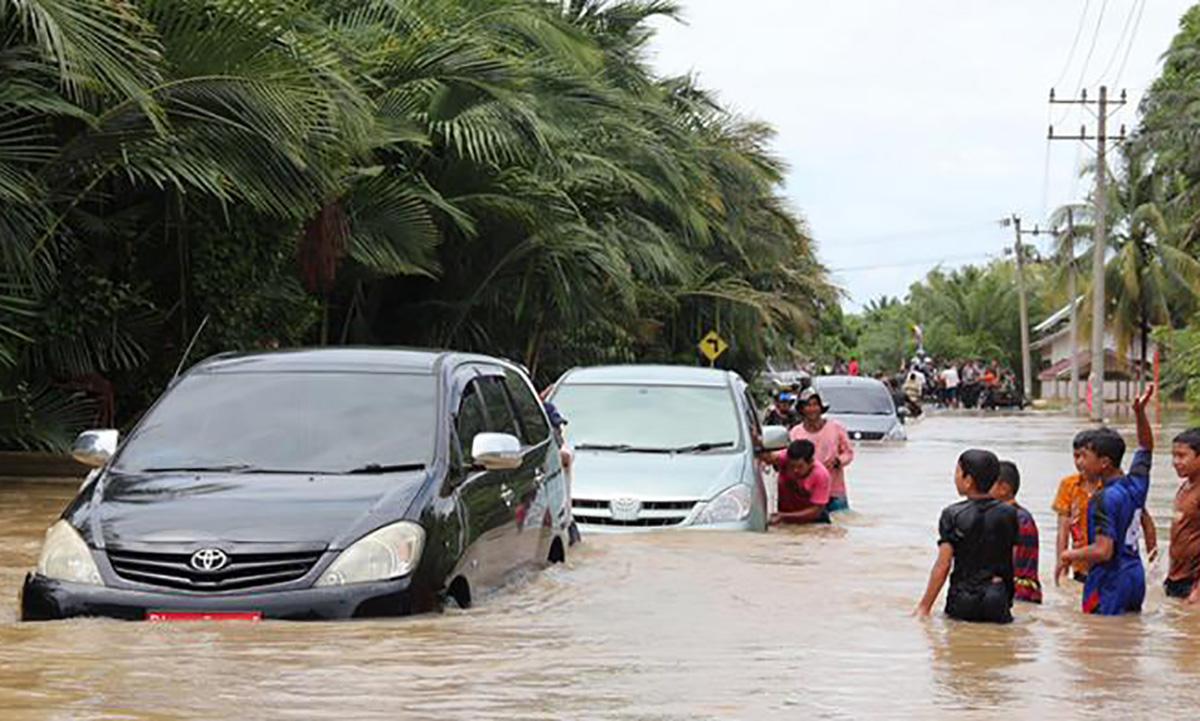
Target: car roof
(345, 359)
(845, 382)
(649, 375)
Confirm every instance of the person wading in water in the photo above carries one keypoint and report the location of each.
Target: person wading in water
(832, 443)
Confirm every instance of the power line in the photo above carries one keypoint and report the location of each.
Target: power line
(928, 261)
(1095, 37)
(1133, 6)
(1137, 25)
(1074, 45)
(889, 237)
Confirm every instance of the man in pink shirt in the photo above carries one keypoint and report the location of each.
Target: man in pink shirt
(803, 485)
(832, 443)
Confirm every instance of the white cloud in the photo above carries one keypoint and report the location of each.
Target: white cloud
(913, 115)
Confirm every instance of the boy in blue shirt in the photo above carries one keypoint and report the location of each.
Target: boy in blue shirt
(1116, 583)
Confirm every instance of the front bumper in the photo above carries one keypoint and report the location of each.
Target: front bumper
(44, 599)
(598, 528)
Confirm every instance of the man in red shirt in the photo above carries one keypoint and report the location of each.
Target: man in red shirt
(803, 485)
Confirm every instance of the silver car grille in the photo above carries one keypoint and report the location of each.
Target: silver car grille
(652, 514)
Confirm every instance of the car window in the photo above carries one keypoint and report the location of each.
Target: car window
(469, 420)
(534, 427)
(316, 422)
(499, 411)
(653, 417)
(865, 399)
(752, 419)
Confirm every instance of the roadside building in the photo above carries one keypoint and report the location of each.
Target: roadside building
(1053, 343)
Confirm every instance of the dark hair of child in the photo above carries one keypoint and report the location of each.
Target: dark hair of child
(1010, 475)
(1106, 443)
(982, 466)
(1082, 439)
(1191, 437)
(801, 450)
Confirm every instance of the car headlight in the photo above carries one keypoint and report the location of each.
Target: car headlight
(65, 557)
(896, 434)
(387, 553)
(731, 505)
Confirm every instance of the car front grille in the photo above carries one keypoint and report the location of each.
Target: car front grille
(653, 514)
(867, 435)
(244, 570)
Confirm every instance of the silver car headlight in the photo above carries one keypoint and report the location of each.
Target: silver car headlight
(386, 553)
(729, 506)
(65, 557)
(897, 433)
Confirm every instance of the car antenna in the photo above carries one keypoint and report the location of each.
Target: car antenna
(188, 350)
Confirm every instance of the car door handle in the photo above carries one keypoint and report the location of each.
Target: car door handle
(507, 495)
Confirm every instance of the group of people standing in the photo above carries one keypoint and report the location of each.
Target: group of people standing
(953, 384)
(987, 544)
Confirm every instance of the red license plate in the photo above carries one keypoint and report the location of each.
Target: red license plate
(204, 615)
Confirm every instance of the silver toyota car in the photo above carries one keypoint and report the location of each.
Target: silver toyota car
(664, 446)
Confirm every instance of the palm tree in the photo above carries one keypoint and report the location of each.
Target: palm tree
(1152, 277)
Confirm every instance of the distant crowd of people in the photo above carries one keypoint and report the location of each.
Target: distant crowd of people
(953, 384)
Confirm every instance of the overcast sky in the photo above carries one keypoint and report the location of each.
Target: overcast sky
(911, 126)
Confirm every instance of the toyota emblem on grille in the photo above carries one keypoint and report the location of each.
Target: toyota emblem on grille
(209, 559)
(625, 509)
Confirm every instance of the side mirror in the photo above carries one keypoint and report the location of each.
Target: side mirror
(94, 448)
(496, 451)
(775, 438)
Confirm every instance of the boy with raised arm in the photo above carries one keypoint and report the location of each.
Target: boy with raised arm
(1116, 581)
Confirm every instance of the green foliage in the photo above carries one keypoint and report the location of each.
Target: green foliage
(506, 176)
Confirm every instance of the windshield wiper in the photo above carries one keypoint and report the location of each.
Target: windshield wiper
(621, 448)
(381, 468)
(227, 468)
(618, 447)
(702, 447)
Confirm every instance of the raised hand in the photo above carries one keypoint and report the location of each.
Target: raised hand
(1140, 402)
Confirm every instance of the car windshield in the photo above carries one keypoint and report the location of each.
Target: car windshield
(649, 417)
(858, 400)
(305, 422)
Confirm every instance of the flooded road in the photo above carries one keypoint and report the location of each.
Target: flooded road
(794, 623)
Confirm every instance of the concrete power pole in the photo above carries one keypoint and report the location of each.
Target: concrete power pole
(1019, 252)
(1099, 240)
(1071, 295)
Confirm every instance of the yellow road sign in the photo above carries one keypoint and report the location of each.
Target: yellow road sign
(713, 345)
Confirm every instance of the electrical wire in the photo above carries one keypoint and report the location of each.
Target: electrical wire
(1133, 6)
(889, 237)
(906, 264)
(1075, 44)
(1092, 50)
(1132, 37)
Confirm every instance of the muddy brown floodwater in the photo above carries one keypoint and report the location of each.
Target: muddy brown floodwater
(796, 623)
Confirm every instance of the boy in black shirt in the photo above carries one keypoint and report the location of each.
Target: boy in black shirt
(977, 536)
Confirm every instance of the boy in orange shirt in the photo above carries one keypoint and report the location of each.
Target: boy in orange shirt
(1071, 506)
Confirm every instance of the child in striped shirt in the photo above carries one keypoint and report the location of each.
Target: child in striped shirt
(1025, 551)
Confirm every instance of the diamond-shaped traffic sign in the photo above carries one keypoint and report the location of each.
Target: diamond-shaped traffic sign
(713, 345)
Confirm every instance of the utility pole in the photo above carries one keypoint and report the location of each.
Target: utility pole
(1099, 240)
(1074, 311)
(1019, 252)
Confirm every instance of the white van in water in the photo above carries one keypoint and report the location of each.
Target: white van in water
(664, 447)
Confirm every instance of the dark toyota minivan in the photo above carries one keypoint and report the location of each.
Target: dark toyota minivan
(311, 484)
